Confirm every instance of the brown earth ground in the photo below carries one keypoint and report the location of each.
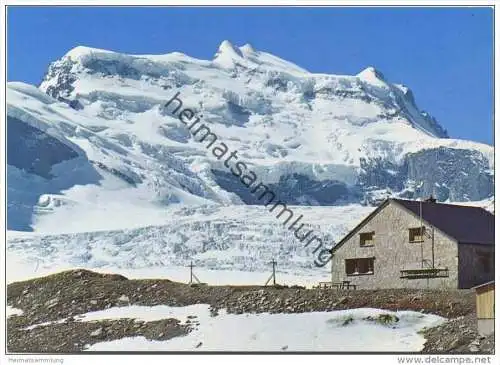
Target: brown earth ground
(62, 297)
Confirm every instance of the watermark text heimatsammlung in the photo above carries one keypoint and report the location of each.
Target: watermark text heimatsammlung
(248, 178)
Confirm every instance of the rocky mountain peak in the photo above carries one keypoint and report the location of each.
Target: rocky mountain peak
(373, 76)
(227, 48)
(247, 49)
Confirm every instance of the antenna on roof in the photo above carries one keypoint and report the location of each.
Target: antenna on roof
(421, 235)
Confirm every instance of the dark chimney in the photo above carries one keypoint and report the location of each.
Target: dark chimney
(431, 199)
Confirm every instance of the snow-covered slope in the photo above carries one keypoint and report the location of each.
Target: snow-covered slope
(57, 158)
(95, 148)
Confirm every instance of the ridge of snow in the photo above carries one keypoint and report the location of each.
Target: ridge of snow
(83, 51)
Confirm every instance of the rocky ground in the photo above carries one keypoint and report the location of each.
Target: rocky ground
(458, 336)
(64, 296)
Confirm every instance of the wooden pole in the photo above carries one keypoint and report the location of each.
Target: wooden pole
(274, 272)
(273, 275)
(191, 272)
(433, 247)
(421, 236)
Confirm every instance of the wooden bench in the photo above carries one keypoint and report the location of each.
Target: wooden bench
(324, 285)
(346, 284)
(336, 285)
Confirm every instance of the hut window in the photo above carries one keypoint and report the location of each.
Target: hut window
(366, 239)
(416, 234)
(359, 266)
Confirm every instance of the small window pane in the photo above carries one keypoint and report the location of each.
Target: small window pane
(366, 238)
(359, 266)
(416, 234)
(350, 267)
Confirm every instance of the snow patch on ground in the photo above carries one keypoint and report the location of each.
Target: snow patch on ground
(346, 330)
(11, 311)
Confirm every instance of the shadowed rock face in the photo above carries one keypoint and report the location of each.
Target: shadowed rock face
(446, 173)
(294, 189)
(455, 174)
(33, 150)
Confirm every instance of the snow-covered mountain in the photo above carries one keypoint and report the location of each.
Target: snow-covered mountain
(96, 139)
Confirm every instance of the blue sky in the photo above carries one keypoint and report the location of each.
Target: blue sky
(445, 55)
